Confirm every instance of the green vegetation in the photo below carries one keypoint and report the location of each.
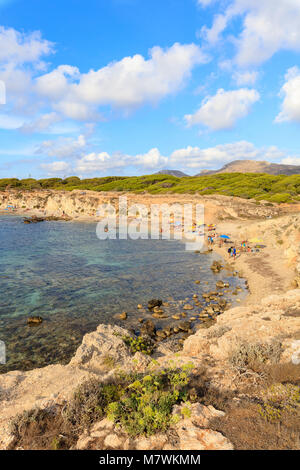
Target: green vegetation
(261, 412)
(146, 406)
(139, 344)
(280, 398)
(141, 404)
(258, 186)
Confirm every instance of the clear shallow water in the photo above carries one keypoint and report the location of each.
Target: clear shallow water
(63, 273)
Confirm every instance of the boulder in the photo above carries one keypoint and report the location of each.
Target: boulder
(148, 328)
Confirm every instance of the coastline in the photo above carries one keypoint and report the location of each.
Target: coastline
(271, 270)
(259, 318)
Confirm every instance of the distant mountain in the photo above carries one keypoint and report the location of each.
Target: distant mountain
(253, 166)
(177, 173)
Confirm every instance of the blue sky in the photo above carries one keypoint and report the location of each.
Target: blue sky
(125, 87)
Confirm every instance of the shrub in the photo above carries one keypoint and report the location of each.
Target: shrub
(246, 355)
(279, 398)
(90, 401)
(146, 406)
(139, 344)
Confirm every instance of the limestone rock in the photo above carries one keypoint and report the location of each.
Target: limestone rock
(105, 341)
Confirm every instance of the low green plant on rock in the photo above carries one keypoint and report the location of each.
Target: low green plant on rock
(139, 344)
(147, 403)
(279, 398)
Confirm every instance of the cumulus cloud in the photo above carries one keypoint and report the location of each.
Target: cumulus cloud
(190, 159)
(214, 157)
(66, 92)
(19, 48)
(56, 168)
(21, 55)
(151, 160)
(223, 110)
(267, 27)
(128, 83)
(290, 110)
(103, 161)
(63, 148)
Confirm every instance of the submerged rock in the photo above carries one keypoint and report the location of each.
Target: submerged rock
(122, 316)
(154, 303)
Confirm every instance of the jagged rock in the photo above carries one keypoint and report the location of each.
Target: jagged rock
(148, 328)
(105, 341)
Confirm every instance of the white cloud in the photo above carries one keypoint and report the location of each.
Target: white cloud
(127, 84)
(205, 3)
(95, 162)
(291, 161)
(19, 48)
(21, 55)
(151, 159)
(267, 27)
(190, 159)
(245, 78)
(215, 157)
(63, 147)
(56, 167)
(40, 124)
(291, 92)
(55, 84)
(103, 161)
(8, 122)
(223, 110)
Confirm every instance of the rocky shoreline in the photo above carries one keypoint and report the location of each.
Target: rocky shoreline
(269, 322)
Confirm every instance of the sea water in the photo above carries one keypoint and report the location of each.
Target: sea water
(62, 272)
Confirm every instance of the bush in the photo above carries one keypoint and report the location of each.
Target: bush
(146, 406)
(275, 189)
(247, 355)
(90, 402)
(279, 398)
(139, 344)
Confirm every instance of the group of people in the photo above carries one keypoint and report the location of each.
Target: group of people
(235, 249)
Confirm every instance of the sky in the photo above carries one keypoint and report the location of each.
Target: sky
(129, 87)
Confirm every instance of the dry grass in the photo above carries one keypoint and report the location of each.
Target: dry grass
(248, 354)
(262, 420)
(42, 430)
(243, 426)
(278, 373)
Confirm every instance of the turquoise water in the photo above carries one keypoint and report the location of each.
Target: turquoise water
(63, 273)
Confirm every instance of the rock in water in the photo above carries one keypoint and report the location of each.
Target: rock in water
(123, 316)
(148, 328)
(154, 303)
(34, 320)
(188, 307)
